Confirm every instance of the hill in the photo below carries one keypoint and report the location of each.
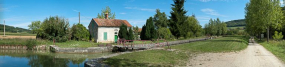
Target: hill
(236, 23)
(13, 29)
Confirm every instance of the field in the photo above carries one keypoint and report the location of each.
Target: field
(17, 34)
(179, 53)
(276, 47)
(9, 35)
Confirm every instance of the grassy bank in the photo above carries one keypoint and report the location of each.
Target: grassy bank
(181, 53)
(275, 47)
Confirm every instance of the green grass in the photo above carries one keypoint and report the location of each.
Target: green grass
(241, 27)
(181, 54)
(276, 47)
(17, 34)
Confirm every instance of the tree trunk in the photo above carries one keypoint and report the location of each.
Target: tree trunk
(267, 34)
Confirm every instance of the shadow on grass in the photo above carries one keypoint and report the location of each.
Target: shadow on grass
(114, 62)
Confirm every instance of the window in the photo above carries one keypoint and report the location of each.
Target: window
(105, 35)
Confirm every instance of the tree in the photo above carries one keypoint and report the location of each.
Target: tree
(79, 32)
(55, 28)
(104, 11)
(36, 28)
(148, 31)
(136, 32)
(123, 32)
(194, 28)
(160, 19)
(178, 18)
(130, 34)
(262, 15)
(224, 28)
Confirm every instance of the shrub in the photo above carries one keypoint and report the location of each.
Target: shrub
(30, 44)
(277, 36)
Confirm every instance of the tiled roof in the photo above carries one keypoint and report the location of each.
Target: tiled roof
(111, 22)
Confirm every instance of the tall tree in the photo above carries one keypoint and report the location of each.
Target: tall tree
(36, 28)
(178, 18)
(123, 32)
(130, 34)
(148, 31)
(160, 21)
(104, 11)
(261, 15)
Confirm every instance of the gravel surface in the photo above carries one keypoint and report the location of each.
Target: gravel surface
(254, 55)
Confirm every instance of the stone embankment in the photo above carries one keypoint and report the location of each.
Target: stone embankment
(22, 47)
(79, 50)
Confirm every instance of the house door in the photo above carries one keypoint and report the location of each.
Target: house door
(116, 38)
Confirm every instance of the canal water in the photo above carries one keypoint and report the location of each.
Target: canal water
(24, 58)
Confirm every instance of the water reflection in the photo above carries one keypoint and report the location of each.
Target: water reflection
(25, 58)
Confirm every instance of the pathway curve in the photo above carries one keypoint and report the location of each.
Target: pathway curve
(254, 55)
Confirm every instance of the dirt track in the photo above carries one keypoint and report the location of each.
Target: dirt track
(254, 55)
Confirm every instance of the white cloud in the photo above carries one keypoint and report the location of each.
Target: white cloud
(22, 25)
(75, 10)
(281, 2)
(212, 12)
(142, 9)
(123, 13)
(203, 18)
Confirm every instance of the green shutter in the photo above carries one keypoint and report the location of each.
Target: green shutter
(105, 35)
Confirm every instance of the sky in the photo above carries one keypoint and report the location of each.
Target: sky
(20, 13)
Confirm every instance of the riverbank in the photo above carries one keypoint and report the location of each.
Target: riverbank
(179, 54)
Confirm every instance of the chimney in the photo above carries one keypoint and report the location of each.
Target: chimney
(106, 15)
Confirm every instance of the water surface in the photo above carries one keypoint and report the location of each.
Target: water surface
(24, 58)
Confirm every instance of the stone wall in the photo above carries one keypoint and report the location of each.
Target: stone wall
(79, 50)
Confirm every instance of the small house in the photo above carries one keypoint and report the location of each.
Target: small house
(106, 30)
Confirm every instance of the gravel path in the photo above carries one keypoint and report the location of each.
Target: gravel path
(254, 55)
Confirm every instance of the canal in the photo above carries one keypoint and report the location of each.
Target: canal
(24, 58)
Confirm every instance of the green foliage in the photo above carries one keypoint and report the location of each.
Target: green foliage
(262, 15)
(79, 32)
(130, 34)
(164, 33)
(136, 32)
(277, 36)
(104, 11)
(178, 19)
(160, 19)
(193, 27)
(54, 28)
(31, 43)
(216, 27)
(35, 27)
(123, 32)
(148, 31)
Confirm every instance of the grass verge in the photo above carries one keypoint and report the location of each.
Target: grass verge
(181, 53)
(275, 47)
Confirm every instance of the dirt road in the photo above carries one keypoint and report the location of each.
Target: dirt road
(254, 55)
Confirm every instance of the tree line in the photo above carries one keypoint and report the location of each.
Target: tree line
(57, 28)
(216, 27)
(264, 17)
(179, 25)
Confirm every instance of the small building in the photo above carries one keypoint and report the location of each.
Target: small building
(106, 30)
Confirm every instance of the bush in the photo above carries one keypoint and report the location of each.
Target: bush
(30, 44)
(277, 36)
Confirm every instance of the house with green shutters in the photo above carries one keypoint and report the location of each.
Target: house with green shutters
(106, 30)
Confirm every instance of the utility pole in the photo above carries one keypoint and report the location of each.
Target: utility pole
(4, 28)
(79, 17)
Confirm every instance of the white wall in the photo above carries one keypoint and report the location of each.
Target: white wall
(110, 34)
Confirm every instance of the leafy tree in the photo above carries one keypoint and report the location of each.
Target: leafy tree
(55, 28)
(104, 11)
(136, 32)
(224, 28)
(165, 33)
(79, 32)
(160, 19)
(262, 15)
(194, 28)
(215, 27)
(178, 18)
(36, 28)
(123, 32)
(277, 36)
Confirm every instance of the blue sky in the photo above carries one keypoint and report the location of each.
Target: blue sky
(21, 13)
